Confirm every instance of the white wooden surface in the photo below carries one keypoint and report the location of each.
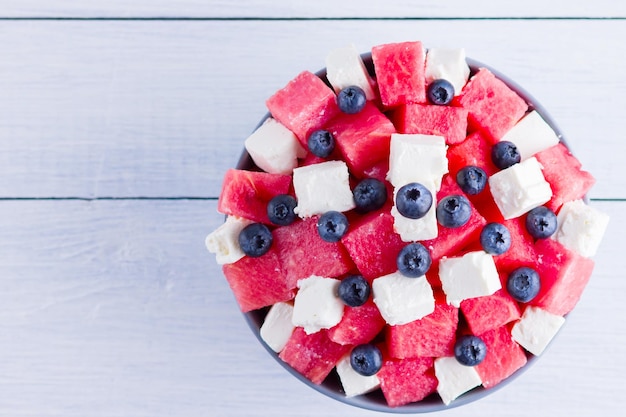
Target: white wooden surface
(114, 136)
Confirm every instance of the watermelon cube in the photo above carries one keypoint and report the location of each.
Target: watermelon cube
(493, 107)
(247, 193)
(358, 325)
(312, 355)
(407, 380)
(304, 105)
(490, 312)
(504, 357)
(400, 74)
(447, 121)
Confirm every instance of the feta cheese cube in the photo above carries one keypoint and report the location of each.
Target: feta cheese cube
(277, 326)
(401, 299)
(322, 187)
(344, 68)
(536, 329)
(224, 241)
(411, 230)
(448, 64)
(417, 158)
(317, 305)
(471, 275)
(580, 227)
(520, 188)
(531, 135)
(352, 382)
(454, 378)
(274, 148)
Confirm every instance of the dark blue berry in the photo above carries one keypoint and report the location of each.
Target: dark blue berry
(351, 99)
(280, 210)
(332, 225)
(505, 154)
(541, 222)
(413, 200)
(366, 359)
(321, 143)
(523, 284)
(255, 239)
(495, 238)
(440, 92)
(471, 179)
(369, 195)
(453, 211)
(413, 260)
(470, 350)
(354, 290)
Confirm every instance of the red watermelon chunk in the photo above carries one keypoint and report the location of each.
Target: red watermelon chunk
(430, 336)
(493, 107)
(258, 282)
(490, 312)
(373, 245)
(303, 253)
(504, 357)
(564, 173)
(400, 74)
(563, 274)
(313, 355)
(358, 325)
(246, 193)
(449, 122)
(362, 138)
(407, 380)
(305, 104)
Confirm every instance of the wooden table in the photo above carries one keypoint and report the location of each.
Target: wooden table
(118, 120)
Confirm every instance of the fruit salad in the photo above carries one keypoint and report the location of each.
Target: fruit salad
(408, 225)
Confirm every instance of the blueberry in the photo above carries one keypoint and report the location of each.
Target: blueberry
(495, 238)
(351, 99)
(440, 92)
(471, 179)
(354, 290)
(413, 200)
(453, 211)
(470, 350)
(366, 359)
(280, 210)
(255, 239)
(505, 154)
(369, 195)
(413, 260)
(332, 225)
(321, 143)
(523, 284)
(541, 222)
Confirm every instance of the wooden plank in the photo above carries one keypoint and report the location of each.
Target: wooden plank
(322, 8)
(147, 108)
(116, 306)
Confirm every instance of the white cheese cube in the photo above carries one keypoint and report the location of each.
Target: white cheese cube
(322, 187)
(354, 383)
(531, 135)
(317, 305)
(454, 378)
(471, 275)
(520, 188)
(401, 299)
(224, 241)
(411, 230)
(274, 148)
(344, 68)
(277, 326)
(581, 227)
(417, 158)
(536, 328)
(448, 64)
